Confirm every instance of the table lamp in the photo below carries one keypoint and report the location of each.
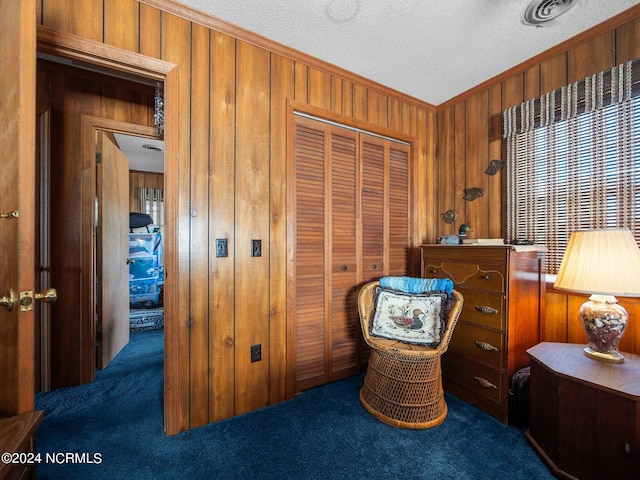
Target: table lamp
(603, 263)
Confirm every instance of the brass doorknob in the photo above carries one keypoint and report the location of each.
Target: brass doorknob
(50, 295)
(9, 299)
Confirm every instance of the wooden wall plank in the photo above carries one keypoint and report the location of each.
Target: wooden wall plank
(377, 107)
(426, 126)
(553, 74)
(222, 335)
(495, 183)
(301, 82)
(459, 161)
(531, 82)
(394, 115)
(132, 107)
(121, 18)
(199, 230)
(252, 223)
(360, 107)
(319, 93)
(150, 31)
(336, 95)
(631, 340)
(445, 169)
(282, 88)
(347, 98)
(477, 211)
(628, 41)
(554, 328)
(591, 57)
(513, 91)
(83, 19)
(176, 48)
(575, 330)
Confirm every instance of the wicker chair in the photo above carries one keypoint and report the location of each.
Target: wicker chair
(403, 383)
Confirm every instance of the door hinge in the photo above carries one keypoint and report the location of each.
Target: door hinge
(98, 158)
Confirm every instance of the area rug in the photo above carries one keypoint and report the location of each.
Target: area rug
(141, 319)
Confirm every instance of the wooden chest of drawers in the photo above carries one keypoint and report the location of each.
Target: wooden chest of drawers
(503, 293)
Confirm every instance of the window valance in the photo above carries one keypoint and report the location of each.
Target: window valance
(620, 83)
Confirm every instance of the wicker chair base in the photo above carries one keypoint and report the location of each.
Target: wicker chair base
(404, 392)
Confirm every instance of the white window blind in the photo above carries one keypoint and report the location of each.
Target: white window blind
(152, 202)
(572, 161)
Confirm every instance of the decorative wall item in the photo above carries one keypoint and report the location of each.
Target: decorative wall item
(471, 194)
(158, 116)
(449, 216)
(495, 166)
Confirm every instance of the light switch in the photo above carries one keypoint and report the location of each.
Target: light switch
(221, 247)
(256, 248)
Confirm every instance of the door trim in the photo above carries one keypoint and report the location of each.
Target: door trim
(119, 62)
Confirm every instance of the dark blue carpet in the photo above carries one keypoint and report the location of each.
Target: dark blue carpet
(324, 433)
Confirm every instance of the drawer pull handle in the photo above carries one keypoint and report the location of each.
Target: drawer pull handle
(374, 266)
(485, 277)
(344, 268)
(486, 346)
(433, 271)
(485, 383)
(486, 309)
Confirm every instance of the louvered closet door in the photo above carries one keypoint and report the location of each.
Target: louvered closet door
(374, 234)
(350, 211)
(344, 324)
(385, 211)
(399, 221)
(385, 208)
(309, 289)
(326, 261)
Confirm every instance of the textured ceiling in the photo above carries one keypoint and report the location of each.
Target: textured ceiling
(432, 50)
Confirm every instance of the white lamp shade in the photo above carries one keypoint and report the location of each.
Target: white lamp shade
(605, 262)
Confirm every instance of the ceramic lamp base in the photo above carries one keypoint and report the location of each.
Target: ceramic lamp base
(604, 322)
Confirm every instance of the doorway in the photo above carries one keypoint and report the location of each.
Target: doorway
(103, 238)
(146, 230)
(118, 64)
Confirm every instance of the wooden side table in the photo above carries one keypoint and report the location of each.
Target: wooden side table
(16, 436)
(585, 413)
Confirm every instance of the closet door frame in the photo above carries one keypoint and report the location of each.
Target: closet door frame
(296, 108)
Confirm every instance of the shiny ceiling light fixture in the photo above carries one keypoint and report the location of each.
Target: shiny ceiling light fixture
(543, 13)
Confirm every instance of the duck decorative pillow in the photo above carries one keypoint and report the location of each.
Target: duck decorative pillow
(416, 318)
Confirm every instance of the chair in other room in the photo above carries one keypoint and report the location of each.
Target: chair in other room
(403, 383)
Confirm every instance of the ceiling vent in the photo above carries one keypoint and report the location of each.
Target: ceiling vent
(153, 148)
(542, 13)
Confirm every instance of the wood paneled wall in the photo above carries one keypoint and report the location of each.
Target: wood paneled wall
(468, 136)
(231, 180)
(231, 183)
